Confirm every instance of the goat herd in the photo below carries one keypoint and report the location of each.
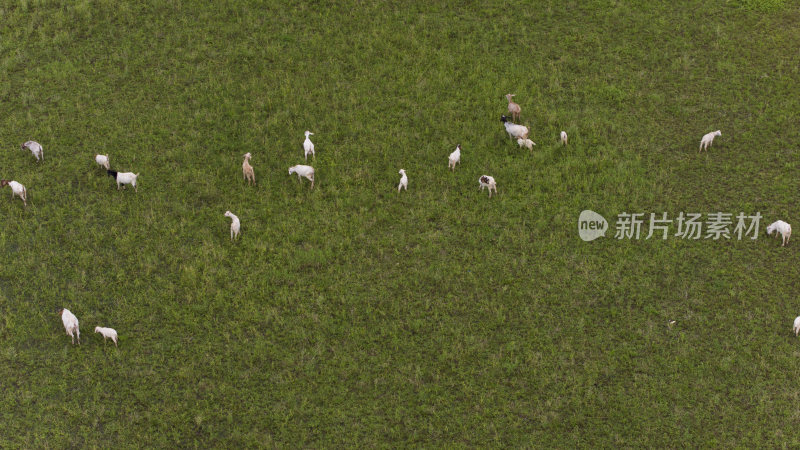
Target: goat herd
(515, 131)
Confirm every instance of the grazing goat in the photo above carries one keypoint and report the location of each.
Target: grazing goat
(102, 161)
(124, 178)
(16, 189)
(487, 181)
(247, 169)
(308, 146)
(108, 333)
(403, 180)
(455, 158)
(514, 130)
(513, 108)
(782, 228)
(526, 143)
(235, 224)
(564, 137)
(35, 148)
(303, 171)
(796, 327)
(71, 325)
(708, 139)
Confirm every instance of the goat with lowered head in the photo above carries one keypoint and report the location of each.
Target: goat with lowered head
(780, 228)
(514, 131)
(303, 171)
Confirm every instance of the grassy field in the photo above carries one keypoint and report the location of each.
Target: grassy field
(353, 316)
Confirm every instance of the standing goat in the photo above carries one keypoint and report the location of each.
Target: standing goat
(308, 146)
(455, 158)
(35, 148)
(108, 333)
(235, 224)
(123, 178)
(102, 161)
(70, 325)
(247, 169)
(303, 171)
(403, 180)
(564, 137)
(513, 108)
(708, 138)
(782, 228)
(16, 189)
(514, 131)
(487, 181)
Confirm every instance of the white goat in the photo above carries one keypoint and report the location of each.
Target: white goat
(796, 327)
(403, 180)
(514, 130)
(247, 169)
(235, 224)
(35, 148)
(102, 161)
(708, 138)
(303, 171)
(526, 143)
(513, 108)
(124, 178)
(308, 146)
(564, 137)
(108, 333)
(781, 227)
(487, 181)
(71, 325)
(455, 158)
(16, 189)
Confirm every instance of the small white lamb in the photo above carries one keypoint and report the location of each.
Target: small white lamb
(71, 325)
(35, 148)
(124, 178)
(16, 189)
(487, 181)
(564, 137)
(303, 171)
(796, 327)
(708, 138)
(308, 146)
(102, 161)
(526, 143)
(455, 158)
(781, 227)
(235, 224)
(108, 333)
(403, 180)
(247, 169)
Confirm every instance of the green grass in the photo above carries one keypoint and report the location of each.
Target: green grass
(353, 316)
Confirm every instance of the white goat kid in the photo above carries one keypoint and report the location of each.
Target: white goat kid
(455, 158)
(564, 137)
(403, 180)
(308, 146)
(236, 226)
(35, 148)
(526, 143)
(487, 181)
(108, 333)
(782, 228)
(303, 171)
(796, 327)
(708, 138)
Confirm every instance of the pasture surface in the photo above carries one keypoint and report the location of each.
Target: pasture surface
(353, 316)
